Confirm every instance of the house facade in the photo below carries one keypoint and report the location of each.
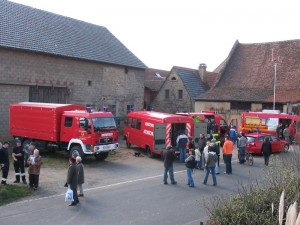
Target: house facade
(246, 80)
(180, 88)
(45, 57)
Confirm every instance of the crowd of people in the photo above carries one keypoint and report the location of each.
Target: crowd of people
(33, 161)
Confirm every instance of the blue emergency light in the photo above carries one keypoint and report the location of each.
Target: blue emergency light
(89, 109)
(105, 109)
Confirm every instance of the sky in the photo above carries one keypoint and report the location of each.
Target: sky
(167, 33)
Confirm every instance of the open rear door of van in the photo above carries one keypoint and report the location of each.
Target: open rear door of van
(159, 137)
(199, 128)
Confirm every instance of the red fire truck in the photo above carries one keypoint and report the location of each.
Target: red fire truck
(216, 124)
(68, 127)
(154, 131)
(268, 120)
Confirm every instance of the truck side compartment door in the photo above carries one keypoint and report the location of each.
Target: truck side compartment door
(159, 137)
(199, 128)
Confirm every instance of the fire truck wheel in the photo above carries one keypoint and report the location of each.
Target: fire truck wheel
(26, 144)
(101, 156)
(76, 151)
(149, 153)
(128, 144)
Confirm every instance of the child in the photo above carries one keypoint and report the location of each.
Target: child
(197, 157)
(190, 165)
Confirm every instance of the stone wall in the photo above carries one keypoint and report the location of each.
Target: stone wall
(93, 83)
(173, 83)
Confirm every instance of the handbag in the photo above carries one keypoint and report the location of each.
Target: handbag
(69, 195)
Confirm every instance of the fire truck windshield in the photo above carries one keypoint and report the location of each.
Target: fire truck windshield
(104, 123)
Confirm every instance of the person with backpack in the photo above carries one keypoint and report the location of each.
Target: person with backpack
(210, 165)
(190, 164)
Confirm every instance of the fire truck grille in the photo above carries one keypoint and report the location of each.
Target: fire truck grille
(106, 140)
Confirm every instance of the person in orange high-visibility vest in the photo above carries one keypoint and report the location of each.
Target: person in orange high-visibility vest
(227, 153)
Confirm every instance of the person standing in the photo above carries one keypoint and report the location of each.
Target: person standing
(80, 175)
(169, 156)
(182, 141)
(197, 157)
(35, 162)
(72, 179)
(4, 161)
(190, 166)
(205, 153)
(242, 148)
(210, 165)
(232, 134)
(287, 133)
(201, 144)
(30, 152)
(18, 157)
(266, 150)
(227, 153)
(216, 149)
(279, 131)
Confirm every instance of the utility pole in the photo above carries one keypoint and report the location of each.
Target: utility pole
(274, 60)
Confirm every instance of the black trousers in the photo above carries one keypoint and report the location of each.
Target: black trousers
(19, 166)
(34, 180)
(5, 170)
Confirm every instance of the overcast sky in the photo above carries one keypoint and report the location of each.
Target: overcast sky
(167, 33)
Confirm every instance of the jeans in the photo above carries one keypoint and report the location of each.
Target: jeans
(242, 154)
(287, 139)
(190, 178)
(217, 167)
(227, 159)
(233, 139)
(182, 154)
(171, 173)
(202, 158)
(213, 172)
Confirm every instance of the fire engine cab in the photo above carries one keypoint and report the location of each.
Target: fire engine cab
(216, 124)
(153, 131)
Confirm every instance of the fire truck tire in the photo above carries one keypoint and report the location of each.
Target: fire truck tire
(26, 144)
(76, 151)
(149, 153)
(101, 156)
(128, 144)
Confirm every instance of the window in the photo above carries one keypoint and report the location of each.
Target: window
(112, 109)
(133, 123)
(173, 78)
(167, 94)
(84, 123)
(240, 105)
(138, 125)
(128, 122)
(180, 94)
(68, 121)
(129, 108)
(157, 74)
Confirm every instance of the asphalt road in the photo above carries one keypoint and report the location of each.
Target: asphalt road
(140, 199)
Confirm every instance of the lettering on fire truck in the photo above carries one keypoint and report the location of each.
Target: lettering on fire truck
(149, 124)
(107, 134)
(148, 132)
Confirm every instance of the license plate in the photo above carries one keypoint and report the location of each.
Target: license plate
(105, 147)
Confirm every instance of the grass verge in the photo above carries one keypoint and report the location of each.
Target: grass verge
(10, 193)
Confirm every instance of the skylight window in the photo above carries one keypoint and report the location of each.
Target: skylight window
(157, 74)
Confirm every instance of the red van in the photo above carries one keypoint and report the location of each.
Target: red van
(153, 131)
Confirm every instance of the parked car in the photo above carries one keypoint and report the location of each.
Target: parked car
(255, 141)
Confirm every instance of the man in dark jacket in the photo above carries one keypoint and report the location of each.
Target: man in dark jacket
(242, 144)
(201, 144)
(18, 157)
(4, 162)
(169, 156)
(182, 141)
(72, 179)
(266, 150)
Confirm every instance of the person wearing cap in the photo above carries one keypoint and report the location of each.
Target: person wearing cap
(4, 161)
(18, 157)
(35, 162)
(72, 179)
(169, 156)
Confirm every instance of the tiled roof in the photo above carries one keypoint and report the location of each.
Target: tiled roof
(192, 81)
(153, 81)
(27, 28)
(211, 78)
(249, 73)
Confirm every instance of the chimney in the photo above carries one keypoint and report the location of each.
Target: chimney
(202, 71)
